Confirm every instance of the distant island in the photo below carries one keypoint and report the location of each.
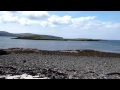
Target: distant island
(36, 37)
(31, 36)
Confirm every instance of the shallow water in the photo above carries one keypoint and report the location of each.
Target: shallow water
(108, 46)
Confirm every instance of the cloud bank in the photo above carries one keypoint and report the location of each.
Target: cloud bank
(44, 19)
(73, 26)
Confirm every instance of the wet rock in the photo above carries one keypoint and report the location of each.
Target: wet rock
(30, 72)
(24, 61)
(2, 52)
(89, 75)
(2, 73)
(113, 75)
(44, 71)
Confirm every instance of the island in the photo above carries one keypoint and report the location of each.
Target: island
(38, 37)
(31, 36)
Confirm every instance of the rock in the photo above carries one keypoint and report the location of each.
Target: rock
(12, 77)
(2, 73)
(2, 52)
(89, 75)
(24, 61)
(23, 76)
(113, 75)
(2, 77)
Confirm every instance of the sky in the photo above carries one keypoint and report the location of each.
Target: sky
(66, 24)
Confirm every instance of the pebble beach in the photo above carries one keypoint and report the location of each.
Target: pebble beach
(20, 63)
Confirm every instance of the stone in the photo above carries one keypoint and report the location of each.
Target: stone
(2, 52)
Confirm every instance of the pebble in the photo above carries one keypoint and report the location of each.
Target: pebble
(81, 64)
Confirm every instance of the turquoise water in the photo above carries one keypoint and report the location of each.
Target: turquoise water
(109, 46)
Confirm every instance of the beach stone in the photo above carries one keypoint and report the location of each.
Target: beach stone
(89, 75)
(2, 73)
(2, 52)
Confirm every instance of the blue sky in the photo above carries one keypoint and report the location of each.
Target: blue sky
(67, 24)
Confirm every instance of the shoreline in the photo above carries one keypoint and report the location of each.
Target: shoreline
(58, 39)
(21, 63)
(81, 52)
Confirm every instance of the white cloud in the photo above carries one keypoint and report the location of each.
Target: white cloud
(60, 20)
(112, 25)
(102, 25)
(6, 16)
(66, 25)
(22, 17)
(44, 19)
(82, 19)
(46, 23)
(24, 21)
(34, 15)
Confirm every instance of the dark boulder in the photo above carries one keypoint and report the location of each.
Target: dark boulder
(2, 52)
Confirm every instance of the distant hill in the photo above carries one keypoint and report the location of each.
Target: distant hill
(40, 37)
(32, 36)
(25, 34)
(3, 33)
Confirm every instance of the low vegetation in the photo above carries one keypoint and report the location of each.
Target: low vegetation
(37, 37)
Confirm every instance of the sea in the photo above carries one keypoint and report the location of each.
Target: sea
(53, 45)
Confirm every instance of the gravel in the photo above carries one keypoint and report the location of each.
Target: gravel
(60, 66)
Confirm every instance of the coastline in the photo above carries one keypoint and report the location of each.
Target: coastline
(63, 64)
(58, 39)
(81, 52)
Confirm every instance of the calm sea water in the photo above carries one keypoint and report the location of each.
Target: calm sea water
(108, 46)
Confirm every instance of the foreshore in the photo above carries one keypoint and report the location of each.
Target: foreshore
(20, 63)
